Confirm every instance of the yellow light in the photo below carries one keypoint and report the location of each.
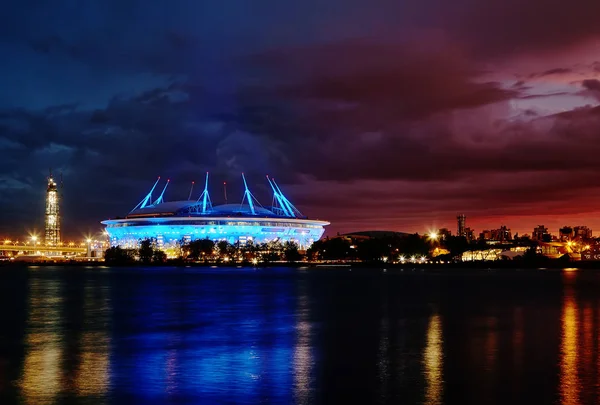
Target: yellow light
(6, 242)
(33, 238)
(89, 241)
(433, 235)
(587, 247)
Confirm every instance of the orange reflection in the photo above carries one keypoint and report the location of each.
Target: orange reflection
(92, 375)
(41, 379)
(569, 380)
(587, 348)
(433, 359)
(92, 378)
(45, 376)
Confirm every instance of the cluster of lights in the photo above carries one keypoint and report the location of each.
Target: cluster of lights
(573, 244)
(34, 239)
(412, 259)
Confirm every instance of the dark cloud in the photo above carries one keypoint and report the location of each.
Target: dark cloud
(591, 84)
(556, 71)
(592, 87)
(552, 72)
(109, 156)
(366, 87)
(508, 26)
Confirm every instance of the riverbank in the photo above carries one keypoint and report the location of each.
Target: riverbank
(540, 263)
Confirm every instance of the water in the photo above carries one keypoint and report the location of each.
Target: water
(287, 336)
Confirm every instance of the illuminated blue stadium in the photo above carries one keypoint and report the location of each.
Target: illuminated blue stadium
(174, 222)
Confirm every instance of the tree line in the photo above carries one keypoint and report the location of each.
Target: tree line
(207, 251)
(328, 249)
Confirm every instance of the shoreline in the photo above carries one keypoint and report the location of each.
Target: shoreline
(550, 264)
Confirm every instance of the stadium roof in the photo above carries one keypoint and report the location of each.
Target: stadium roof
(190, 207)
(249, 206)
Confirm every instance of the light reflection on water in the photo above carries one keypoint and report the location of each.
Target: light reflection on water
(41, 381)
(303, 359)
(569, 380)
(280, 336)
(433, 357)
(63, 358)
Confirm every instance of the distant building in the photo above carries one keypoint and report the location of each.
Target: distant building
(462, 225)
(582, 232)
(569, 233)
(485, 235)
(502, 234)
(565, 234)
(470, 234)
(52, 214)
(553, 250)
(540, 233)
(493, 254)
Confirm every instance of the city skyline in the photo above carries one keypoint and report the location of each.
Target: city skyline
(387, 117)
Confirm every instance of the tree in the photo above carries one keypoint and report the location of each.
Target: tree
(116, 255)
(532, 254)
(146, 250)
(457, 245)
(225, 249)
(200, 248)
(158, 256)
(271, 251)
(373, 249)
(330, 249)
(290, 251)
(413, 245)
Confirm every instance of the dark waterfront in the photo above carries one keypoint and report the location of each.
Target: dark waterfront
(294, 336)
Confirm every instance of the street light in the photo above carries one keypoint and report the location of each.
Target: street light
(433, 236)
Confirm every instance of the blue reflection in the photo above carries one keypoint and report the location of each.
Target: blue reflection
(204, 339)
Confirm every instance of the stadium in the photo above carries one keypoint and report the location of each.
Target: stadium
(173, 222)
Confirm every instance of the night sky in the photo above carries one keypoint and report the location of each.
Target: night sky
(391, 115)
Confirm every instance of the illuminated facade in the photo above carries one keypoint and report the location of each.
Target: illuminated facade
(182, 221)
(52, 215)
